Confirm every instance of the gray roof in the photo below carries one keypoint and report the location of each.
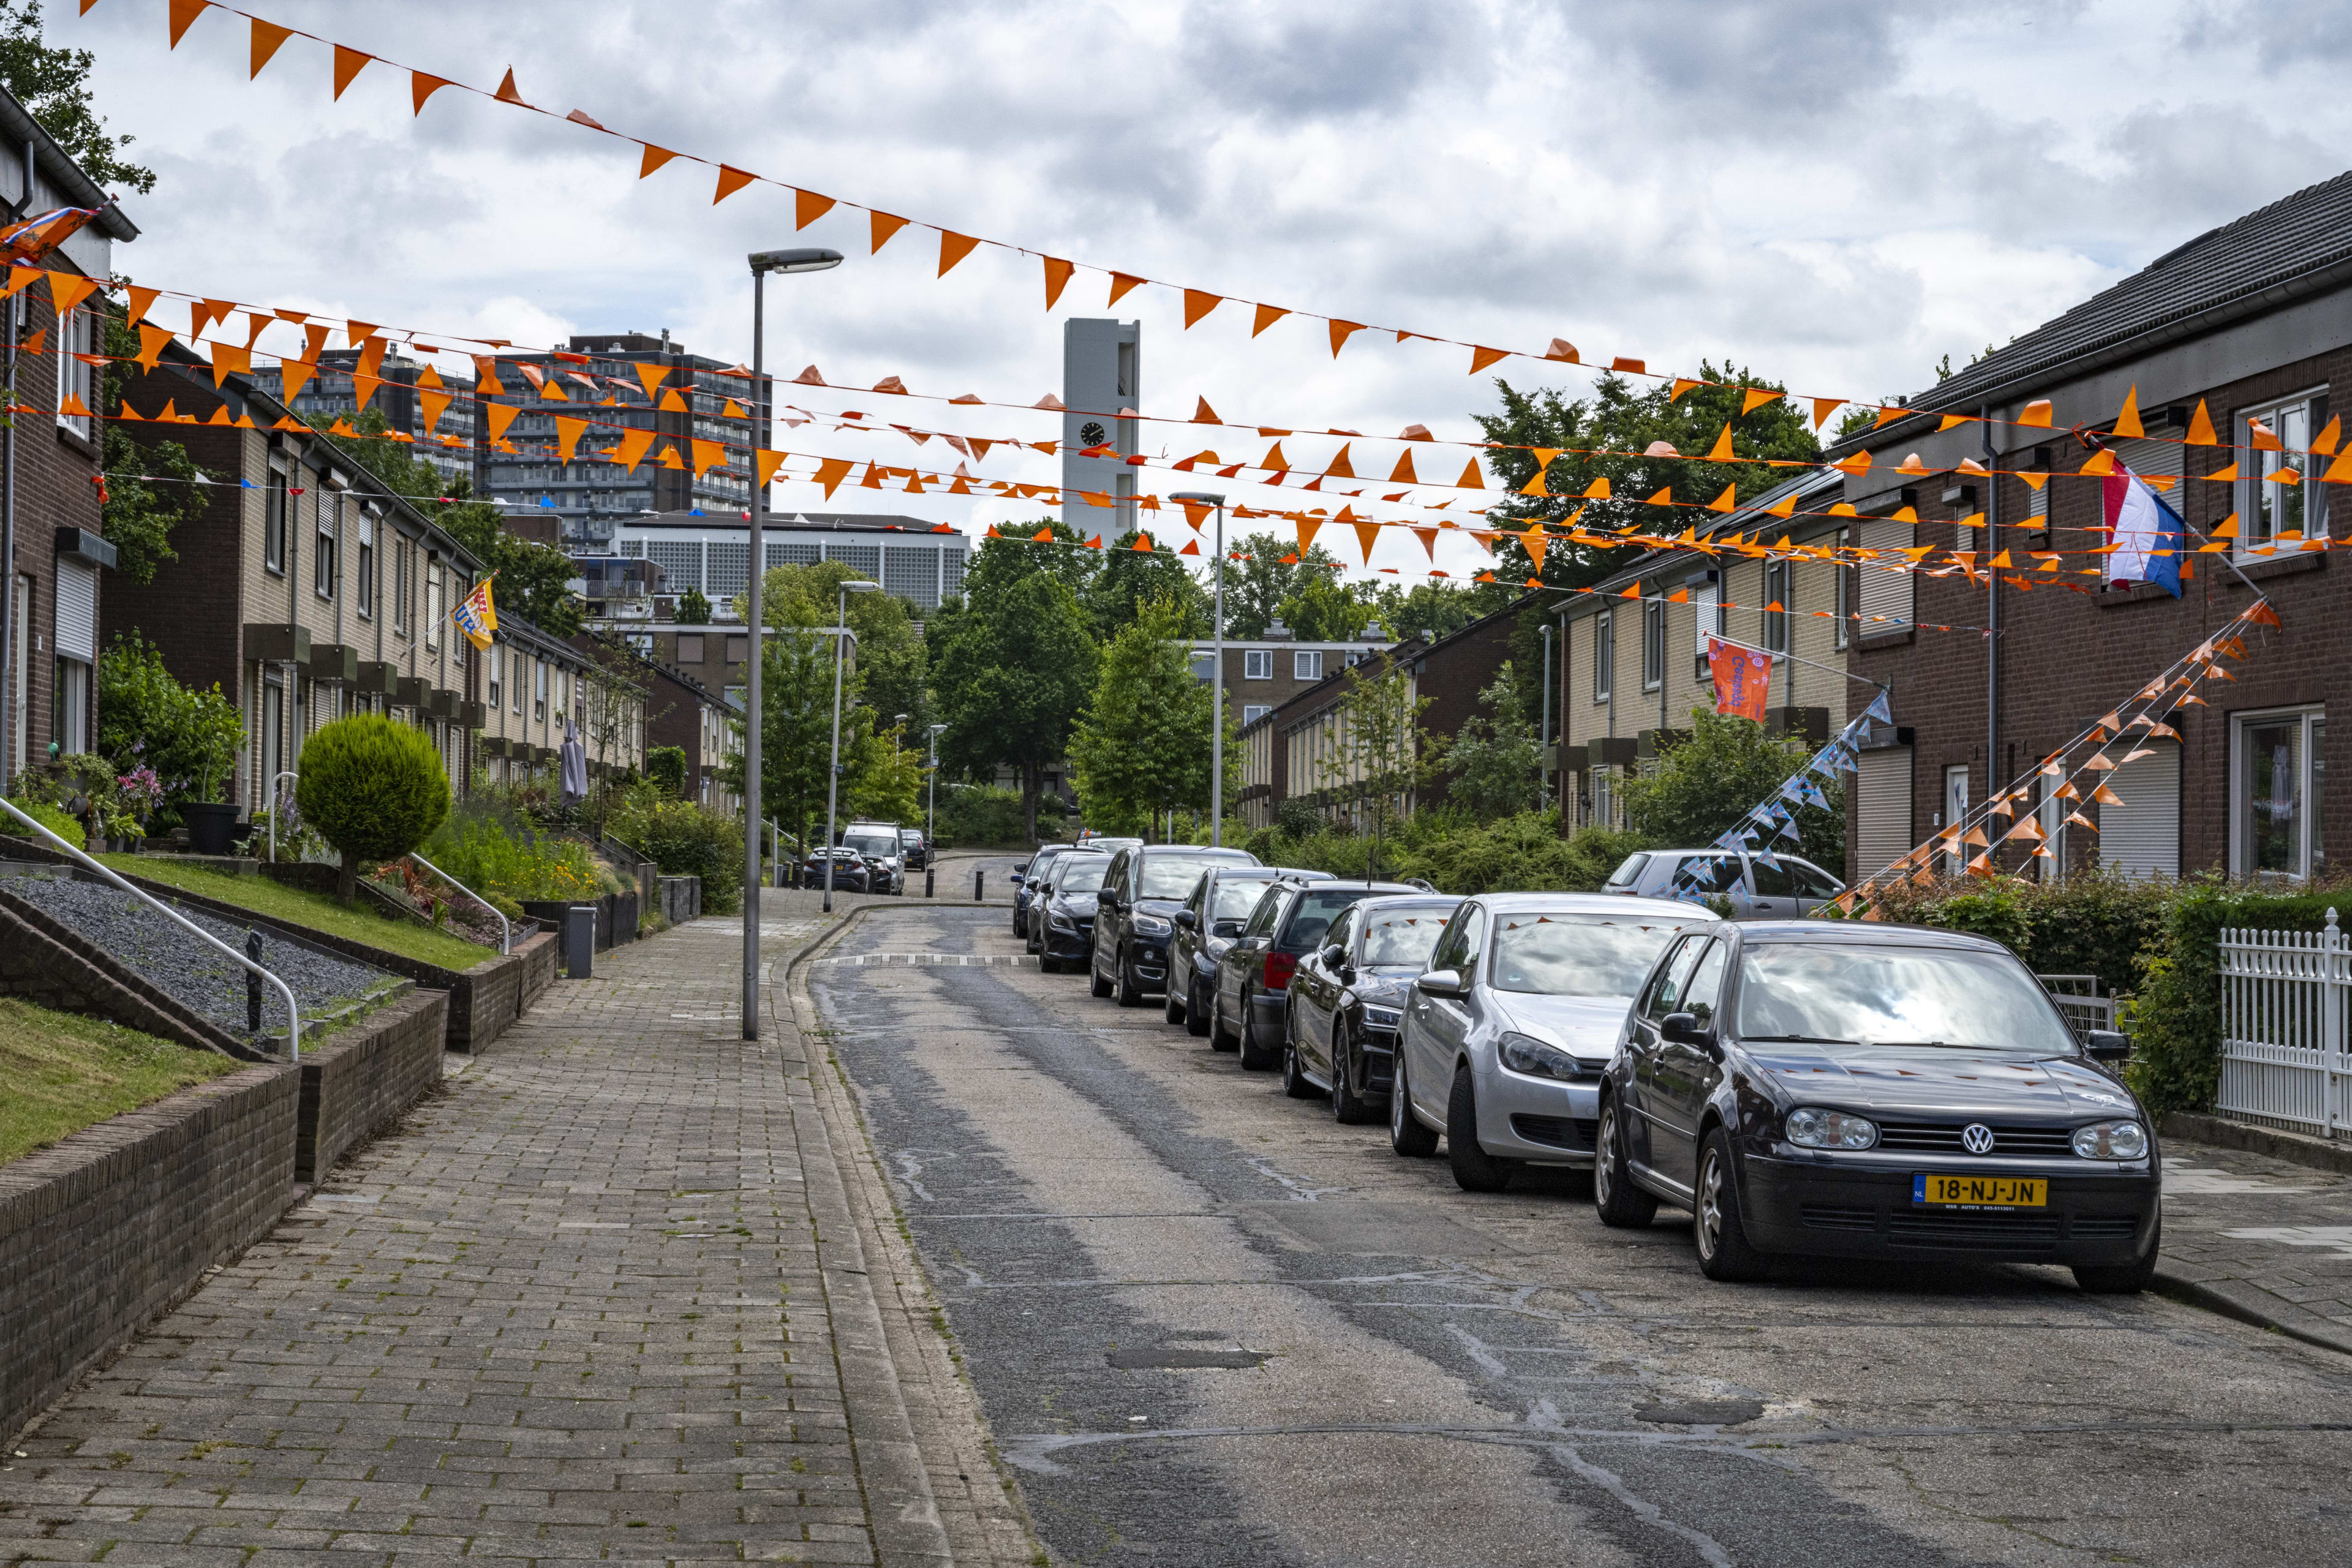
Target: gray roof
(2296, 246)
(62, 172)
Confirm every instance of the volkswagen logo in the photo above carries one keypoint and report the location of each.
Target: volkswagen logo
(1977, 1138)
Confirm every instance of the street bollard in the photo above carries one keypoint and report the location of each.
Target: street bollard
(253, 984)
(580, 941)
(976, 877)
(930, 881)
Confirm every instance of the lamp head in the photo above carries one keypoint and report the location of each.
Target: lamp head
(802, 258)
(857, 585)
(1198, 497)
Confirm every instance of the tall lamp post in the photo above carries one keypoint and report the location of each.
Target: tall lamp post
(931, 817)
(832, 775)
(763, 263)
(1217, 672)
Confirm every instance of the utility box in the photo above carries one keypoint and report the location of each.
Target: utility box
(580, 941)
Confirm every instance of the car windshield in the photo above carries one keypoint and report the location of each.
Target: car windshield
(871, 843)
(1312, 915)
(1578, 955)
(1081, 874)
(1405, 936)
(1851, 993)
(1237, 897)
(1169, 875)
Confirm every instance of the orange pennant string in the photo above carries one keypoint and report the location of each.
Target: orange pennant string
(882, 226)
(422, 86)
(1199, 302)
(1340, 333)
(1121, 283)
(808, 206)
(184, 13)
(1267, 316)
(654, 158)
(267, 37)
(953, 247)
(1057, 277)
(731, 180)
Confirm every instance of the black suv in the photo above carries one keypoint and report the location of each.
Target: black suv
(1137, 914)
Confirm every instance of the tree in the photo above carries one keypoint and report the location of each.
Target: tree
(54, 87)
(694, 610)
(1323, 609)
(883, 779)
(1437, 608)
(1494, 765)
(1377, 745)
(1728, 768)
(1142, 747)
(1013, 671)
(796, 726)
(150, 488)
(372, 787)
(534, 580)
(1256, 586)
(1129, 579)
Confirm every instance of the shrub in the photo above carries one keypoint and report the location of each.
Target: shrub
(1728, 768)
(501, 856)
(982, 815)
(685, 840)
(372, 788)
(48, 816)
(2094, 922)
(1456, 854)
(666, 765)
(147, 719)
(2176, 1062)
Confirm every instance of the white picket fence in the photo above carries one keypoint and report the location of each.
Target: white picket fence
(2284, 1001)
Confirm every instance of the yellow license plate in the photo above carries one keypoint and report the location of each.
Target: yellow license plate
(1981, 1192)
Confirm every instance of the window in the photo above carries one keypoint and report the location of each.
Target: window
(432, 606)
(1706, 600)
(1204, 666)
(1307, 665)
(1604, 653)
(76, 334)
(273, 522)
(1258, 664)
(1254, 712)
(1956, 808)
(1458, 948)
(1671, 979)
(539, 695)
(1843, 576)
(324, 566)
(365, 584)
(739, 650)
(2273, 505)
(689, 647)
(493, 667)
(1653, 643)
(1776, 592)
(404, 593)
(2275, 790)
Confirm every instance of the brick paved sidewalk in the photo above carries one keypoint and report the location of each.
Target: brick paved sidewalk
(2259, 1238)
(574, 1309)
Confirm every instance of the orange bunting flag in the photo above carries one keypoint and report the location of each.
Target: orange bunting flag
(1470, 479)
(1367, 533)
(708, 454)
(1042, 536)
(1428, 537)
(1721, 451)
(652, 375)
(882, 226)
(293, 375)
(497, 416)
(831, 471)
(1204, 415)
(1823, 408)
(1190, 548)
(1535, 539)
(183, 13)
(808, 206)
(654, 158)
(731, 180)
(1724, 501)
(953, 247)
(1480, 358)
(567, 436)
(151, 339)
(1403, 474)
(68, 290)
(506, 92)
(2127, 425)
(1199, 302)
(267, 37)
(634, 444)
(1142, 542)
(228, 361)
(1598, 489)
(1267, 316)
(2200, 429)
(1057, 277)
(1757, 397)
(422, 86)
(1339, 469)
(1122, 284)
(1307, 528)
(1340, 333)
(348, 64)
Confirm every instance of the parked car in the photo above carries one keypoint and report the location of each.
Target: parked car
(1062, 916)
(1090, 840)
(1253, 973)
(1875, 1091)
(1505, 1036)
(851, 871)
(1028, 875)
(1211, 917)
(878, 843)
(915, 848)
(1787, 887)
(1136, 914)
(1347, 999)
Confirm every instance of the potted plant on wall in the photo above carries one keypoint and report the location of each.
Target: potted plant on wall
(212, 824)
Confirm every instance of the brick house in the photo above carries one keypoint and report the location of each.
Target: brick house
(2245, 328)
(680, 710)
(1630, 670)
(48, 690)
(305, 588)
(533, 681)
(1263, 673)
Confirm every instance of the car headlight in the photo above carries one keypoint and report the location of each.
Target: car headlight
(1388, 1018)
(1811, 1127)
(1521, 1053)
(1153, 925)
(2112, 1141)
(1060, 921)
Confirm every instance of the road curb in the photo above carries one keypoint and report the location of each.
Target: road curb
(2295, 1148)
(2253, 1305)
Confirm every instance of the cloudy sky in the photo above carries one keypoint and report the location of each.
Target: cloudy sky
(1832, 192)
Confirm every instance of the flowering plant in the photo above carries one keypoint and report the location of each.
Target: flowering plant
(142, 791)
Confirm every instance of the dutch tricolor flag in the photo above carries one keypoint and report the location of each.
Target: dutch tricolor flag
(2149, 536)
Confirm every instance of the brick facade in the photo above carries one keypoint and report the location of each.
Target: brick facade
(362, 1080)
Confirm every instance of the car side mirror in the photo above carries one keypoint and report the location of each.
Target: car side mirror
(1021, 870)
(1683, 1029)
(1226, 928)
(2107, 1046)
(1188, 919)
(1335, 957)
(1441, 982)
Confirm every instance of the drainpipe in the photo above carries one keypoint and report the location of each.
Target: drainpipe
(9, 674)
(1992, 600)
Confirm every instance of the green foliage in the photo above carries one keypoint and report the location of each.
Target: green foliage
(508, 860)
(1143, 744)
(883, 779)
(976, 815)
(2175, 1018)
(54, 87)
(694, 610)
(685, 840)
(1437, 606)
(1726, 769)
(2094, 922)
(150, 485)
(1015, 668)
(1494, 766)
(534, 580)
(1295, 819)
(375, 449)
(372, 788)
(1517, 854)
(1323, 609)
(1129, 579)
(1604, 437)
(1375, 752)
(49, 817)
(1257, 587)
(665, 766)
(190, 738)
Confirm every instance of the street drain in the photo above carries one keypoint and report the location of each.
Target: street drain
(1157, 1359)
(1701, 1413)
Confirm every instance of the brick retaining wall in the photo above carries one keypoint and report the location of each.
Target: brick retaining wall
(360, 1081)
(47, 962)
(111, 1226)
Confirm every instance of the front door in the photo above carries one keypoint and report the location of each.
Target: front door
(1685, 1074)
(1438, 1024)
(1645, 1045)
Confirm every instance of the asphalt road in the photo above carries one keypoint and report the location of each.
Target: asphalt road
(1400, 1373)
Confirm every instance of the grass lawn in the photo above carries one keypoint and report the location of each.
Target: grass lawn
(66, 1072)
(319, 912)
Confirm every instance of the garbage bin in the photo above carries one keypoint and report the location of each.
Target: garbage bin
(580, 941)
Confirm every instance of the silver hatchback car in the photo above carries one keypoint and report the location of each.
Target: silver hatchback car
(1505, 1038)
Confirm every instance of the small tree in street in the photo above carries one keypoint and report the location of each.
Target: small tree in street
(1496, 763)
(1142, 747)
(1375, 755)
(1015, 671)
(1726, 769)
(372, 788)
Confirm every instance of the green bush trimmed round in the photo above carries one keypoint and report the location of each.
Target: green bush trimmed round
(372, 788)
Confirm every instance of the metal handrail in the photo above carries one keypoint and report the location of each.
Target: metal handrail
(506, 931)
(293, 1012)
(274, 798)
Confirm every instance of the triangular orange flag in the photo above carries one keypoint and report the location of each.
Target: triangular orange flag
(1340, 333)
(1142, 542)
(634, 444)
(831, 471)
(2200, 429)
(1757, 397)
(1308, 528)
(267, 37)
(652, 375)
(953, 247)
(882, 226)
(1204, 415)
(506, 93)
(151, 339)
(1471, 480)
(68, 290)
(496, 416)
(1480, 358)
(655, 157)
(229, 361)
(1403, 474)
(348, 63)
(1724, 501)
(183, 12)
(1042, 536)
(1198, 303)
(1823, 408)
(808, 206)
(422, 86)
(1367, 533)
(1721, 451)
(1535, 539)
(1121, 284)
(2127, 423)
(731, 180)
(1339, 469)
(1267, 316)
(1192, 548)
(1057, 277)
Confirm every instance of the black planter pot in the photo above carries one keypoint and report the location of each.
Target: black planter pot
(212, 825)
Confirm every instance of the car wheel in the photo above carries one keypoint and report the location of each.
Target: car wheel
(1475, 1170)
(1096, 984)
(1294, 1081)
(1407, 1136)
(2123, 1278)
(1348, 1107)
(1255, 1057)
(1176, 1008)
(1196, 1017)
(1130, 994)
(1723, 1250)
(1220, 1038)
(1020, 926)
(1619, 1201)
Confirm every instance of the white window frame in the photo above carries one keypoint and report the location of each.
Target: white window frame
(1776, 633)
(493, 673)
(1953, 807)
(2053, 814)
(276, 522)
(1654, 643)
(75, 333)
(2258, 528)
(1258, 664)
(1604, 655)
(1254, 712)
(2311, 770)
(1307, 664)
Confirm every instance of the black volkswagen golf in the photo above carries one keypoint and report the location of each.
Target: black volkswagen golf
(1874, 1092)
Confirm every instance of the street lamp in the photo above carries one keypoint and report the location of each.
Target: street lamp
(1216, 673)
(833, 778)
(932, 825)
(763, 263)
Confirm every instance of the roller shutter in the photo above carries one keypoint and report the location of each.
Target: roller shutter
(1882, 829)
(77, 611)
(1884, 596)
(2141, 838)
